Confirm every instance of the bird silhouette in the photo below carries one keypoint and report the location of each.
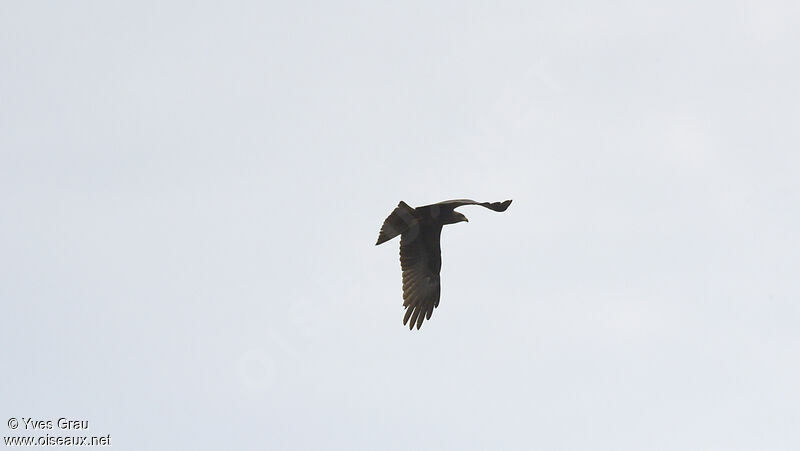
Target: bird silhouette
(420, 254)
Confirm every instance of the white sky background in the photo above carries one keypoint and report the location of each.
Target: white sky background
(191, 194)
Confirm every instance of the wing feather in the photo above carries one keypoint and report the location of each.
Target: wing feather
(455, 203)
(421, 261)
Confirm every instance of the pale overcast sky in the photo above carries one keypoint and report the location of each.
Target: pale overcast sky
(191, 193)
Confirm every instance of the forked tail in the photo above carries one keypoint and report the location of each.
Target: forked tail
(398, 222)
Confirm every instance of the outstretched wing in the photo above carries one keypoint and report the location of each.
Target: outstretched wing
(496, 206)
(421, 260)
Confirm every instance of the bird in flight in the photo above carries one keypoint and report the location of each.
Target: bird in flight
(420, 255)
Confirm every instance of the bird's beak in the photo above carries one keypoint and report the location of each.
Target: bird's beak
(466, 220)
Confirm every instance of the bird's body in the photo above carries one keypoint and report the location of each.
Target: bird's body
(420, 253)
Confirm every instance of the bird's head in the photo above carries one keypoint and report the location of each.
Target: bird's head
(457, 217)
